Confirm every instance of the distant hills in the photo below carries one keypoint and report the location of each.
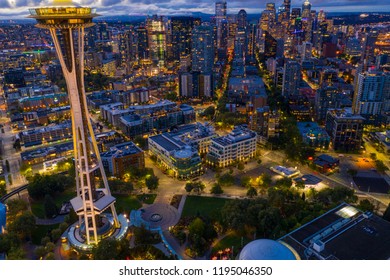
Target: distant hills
(340, 17)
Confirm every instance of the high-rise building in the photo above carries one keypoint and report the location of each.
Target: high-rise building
(242, 19)
(345, 129)
(202, 49)
(142, 43)
(181, 36)
(368, 54)
(157, 39)
(326, 98)
(291, 78)
(371, 96)
(66, 26)
(221, 24)
(306, 9)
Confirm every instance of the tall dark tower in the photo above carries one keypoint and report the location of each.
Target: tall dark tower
(66, 25)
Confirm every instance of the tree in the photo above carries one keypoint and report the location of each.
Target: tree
(56, 234)
(226, 180)
(23, 225)
(366, 205)
(251, 192)
(50, 207)
(3, 189)
(240, 166)
(373, 156)
(40, 252)
(216, 189)
(107, 249)
(140, 141)
(151, 182)
(171, 95)
(194, 186)
(380, 166)
(300, 185)
(50, 256)
(246, 181)
(40, 185)
(26, 170)
(209, 112)
(16, 253)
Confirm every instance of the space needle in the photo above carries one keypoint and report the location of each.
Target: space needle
(94, 206)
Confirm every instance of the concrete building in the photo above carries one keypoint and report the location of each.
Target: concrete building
(180, 149)
(46, 134)
(342, 233)
(371, 98)
(266, 123)
(239, 145)
(291, 78)
(121, 157)
(155, 118)
(345, 129)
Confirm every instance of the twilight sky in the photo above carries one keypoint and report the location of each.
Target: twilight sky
(18, 8)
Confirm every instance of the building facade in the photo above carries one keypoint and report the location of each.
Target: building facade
(239, 145)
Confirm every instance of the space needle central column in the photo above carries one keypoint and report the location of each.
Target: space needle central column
(66, 25)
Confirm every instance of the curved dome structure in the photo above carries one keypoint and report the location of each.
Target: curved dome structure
(266, 249)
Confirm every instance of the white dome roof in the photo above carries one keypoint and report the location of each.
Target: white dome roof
(266, 249)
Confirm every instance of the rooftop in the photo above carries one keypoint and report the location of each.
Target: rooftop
(343, 233)
(238, 134)
(308, 179)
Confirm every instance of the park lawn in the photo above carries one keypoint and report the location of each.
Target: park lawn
(147, 198)
(126, 203)
(37, 205)
(231, 240)
(208, 206)
(41, 231)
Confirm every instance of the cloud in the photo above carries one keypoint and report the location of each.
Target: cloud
(10, 8)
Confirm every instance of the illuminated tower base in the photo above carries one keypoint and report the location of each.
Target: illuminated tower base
(95, 207)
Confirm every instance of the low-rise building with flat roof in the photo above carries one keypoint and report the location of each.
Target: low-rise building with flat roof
(239, 145)
(287, 172)
(122, 156)
(326, 163)
(179, 149)
(342, 233)
(46, 134)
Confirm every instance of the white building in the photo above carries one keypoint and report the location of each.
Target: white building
(239, 145)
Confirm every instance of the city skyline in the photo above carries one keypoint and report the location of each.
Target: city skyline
(17, 8)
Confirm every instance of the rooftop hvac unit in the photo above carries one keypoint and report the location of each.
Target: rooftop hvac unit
(367, 214)
(319, 246)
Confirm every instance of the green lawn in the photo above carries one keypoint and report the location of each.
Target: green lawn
(147, 198)
(210, 206)
(126, 203)
(231, 240)
(37, 205)
(41, 231)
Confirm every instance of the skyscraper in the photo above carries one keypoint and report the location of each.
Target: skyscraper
(291, 78)
(181, 36)
(66, 25)
(202, 49)
(157, 39)
(372, 96)
(306, 8)
(242, 19)
(221, 23)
